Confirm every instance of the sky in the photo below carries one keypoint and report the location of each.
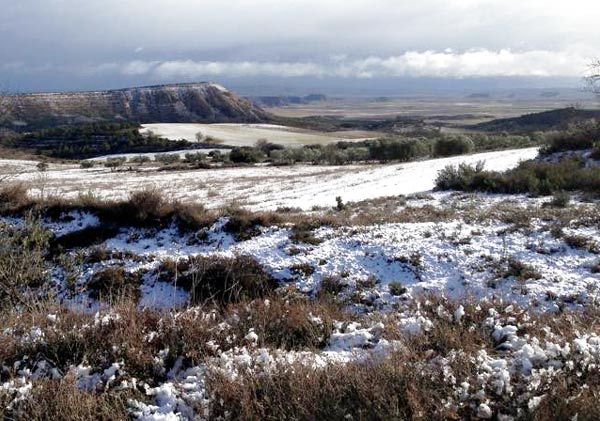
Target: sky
(74, 44)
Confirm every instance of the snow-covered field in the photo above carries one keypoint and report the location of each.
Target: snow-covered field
(234, 134)
(259, 187)
(511, 258)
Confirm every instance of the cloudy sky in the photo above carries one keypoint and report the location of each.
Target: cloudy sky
(75, 44)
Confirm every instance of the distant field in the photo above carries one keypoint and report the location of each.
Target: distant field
(449, 109)
(248, 134)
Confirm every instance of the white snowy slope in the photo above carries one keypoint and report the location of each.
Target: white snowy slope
(257, 187)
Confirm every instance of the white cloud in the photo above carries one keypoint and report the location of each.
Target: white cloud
(445, 64)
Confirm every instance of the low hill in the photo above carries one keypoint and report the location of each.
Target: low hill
(280, 101)
(547, 120)
(177, 103)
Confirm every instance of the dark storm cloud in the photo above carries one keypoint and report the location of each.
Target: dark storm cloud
(165, 40)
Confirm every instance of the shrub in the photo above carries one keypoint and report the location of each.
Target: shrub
(390, 149)
(460, 177)
(145, 207)
(86, 164)
(287, 322)
(448, 146)
(167, 159)
(140, 159)
(538, 178)
(246, 155)
(226, 279)
(579, 136)
(305, 269)
(195, 158)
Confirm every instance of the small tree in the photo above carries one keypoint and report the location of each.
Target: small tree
(42, 177)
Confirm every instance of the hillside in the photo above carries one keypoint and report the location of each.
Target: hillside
(190, 103)
(547, 120)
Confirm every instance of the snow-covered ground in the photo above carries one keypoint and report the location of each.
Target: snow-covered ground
(460, 258)
(234, 134)
(258, 187)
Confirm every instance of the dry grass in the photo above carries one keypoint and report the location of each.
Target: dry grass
(408, 383)
(62, 400)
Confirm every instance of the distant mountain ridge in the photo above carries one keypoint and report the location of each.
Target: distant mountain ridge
(203, 102)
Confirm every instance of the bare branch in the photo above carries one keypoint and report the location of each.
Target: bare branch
(593, 78)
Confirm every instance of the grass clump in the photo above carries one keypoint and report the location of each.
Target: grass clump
(582, 242)
(114, 283)
(520, 270)
(63, 400)
(303, 232)
(22, 260)
(396, 288)
(226, 279)
(244, 225)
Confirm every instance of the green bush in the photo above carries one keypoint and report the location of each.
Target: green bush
(246, 155)
(533, 177)
(449, 146)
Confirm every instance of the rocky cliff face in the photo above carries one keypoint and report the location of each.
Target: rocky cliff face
(179, 103)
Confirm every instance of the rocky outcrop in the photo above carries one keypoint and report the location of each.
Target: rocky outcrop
(178, 103)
